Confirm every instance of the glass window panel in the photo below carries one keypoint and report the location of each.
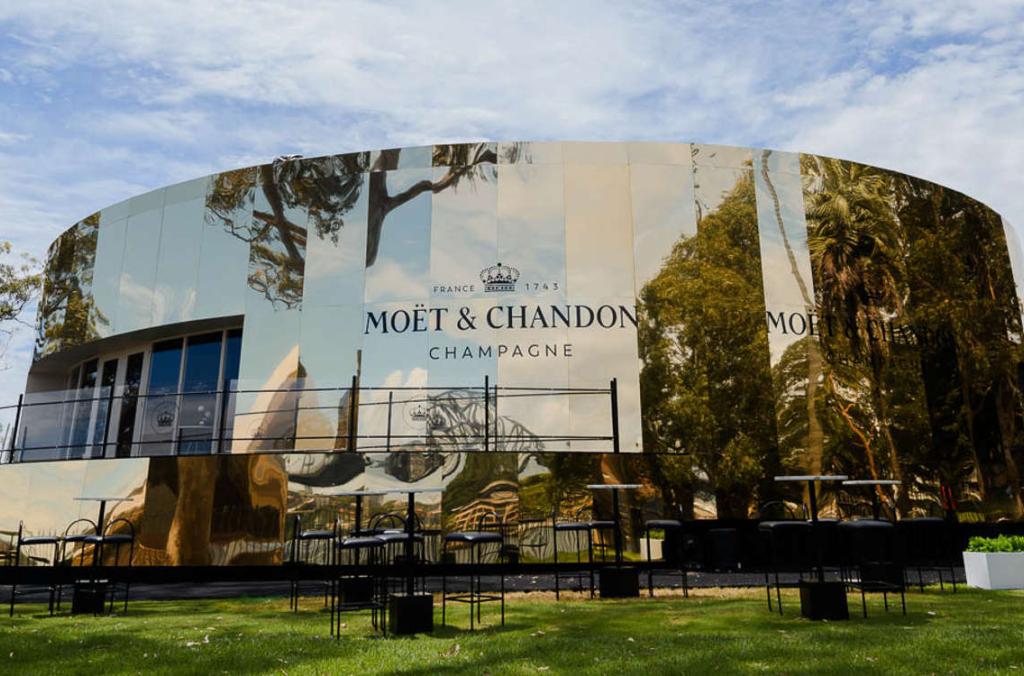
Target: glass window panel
(663, 214)
(598, 232)
(160, 406)
(181, 237)
(202, 370)
(129, 404)
(83, 405)
(336, 252)
(106, 285)
(531, 227)
(398, 236)
(659, 153)
(108, 381)
(575, 152)
(463, 233)
(224, 258)
(138, 271)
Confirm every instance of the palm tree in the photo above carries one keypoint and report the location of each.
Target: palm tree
(857, 257)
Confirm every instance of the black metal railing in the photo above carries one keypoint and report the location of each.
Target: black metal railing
(114, 422)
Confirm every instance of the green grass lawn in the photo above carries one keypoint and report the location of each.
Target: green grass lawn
(713, 631)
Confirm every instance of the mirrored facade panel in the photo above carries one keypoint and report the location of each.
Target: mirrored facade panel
(598, 232)
(398, 235)
(336, 251)
(481, 494)
(277, 235)
(329, 357)
(464, 232)
(462, 154)
(576, 152)
(661, 197)
(187, 191)
(530, 152)
(601, 354)
(224, 257)
(106, 281)
(267, 404)
(67, 314)
(17, 480)
(729, 157)
(646, 152)
(1016, 253)
(177, 271)
(52, 507)
(138, 271)
(531, 227)
(791, 317)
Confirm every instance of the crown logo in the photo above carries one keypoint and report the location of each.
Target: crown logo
(499, 278)
(419, 413)
(165, 419)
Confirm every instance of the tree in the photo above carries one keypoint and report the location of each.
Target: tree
(19, 285)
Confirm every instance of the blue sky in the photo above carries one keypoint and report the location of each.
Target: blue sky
(100, 102)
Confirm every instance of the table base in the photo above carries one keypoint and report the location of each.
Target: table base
(620, 582)
(89, 598)
(823, 601)
(410, 614)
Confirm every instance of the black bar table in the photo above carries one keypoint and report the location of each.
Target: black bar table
(90, 596)
(820, 599)
(618, 581)
(411, 613)
(876, 507)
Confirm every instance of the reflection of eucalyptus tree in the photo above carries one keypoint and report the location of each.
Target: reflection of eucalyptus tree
(462, 161)
(67, 312)
(857, 253)
(962, 285)
(323, 189)
(705, 381)
(814, 433)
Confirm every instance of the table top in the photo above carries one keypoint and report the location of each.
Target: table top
(102, 499)
(872, 482)
(368, 491)
(813, 477)
(597, 487)
(414, 490)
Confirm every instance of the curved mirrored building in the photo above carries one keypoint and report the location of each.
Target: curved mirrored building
(510, 322)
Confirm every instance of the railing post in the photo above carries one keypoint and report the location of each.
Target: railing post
(14, 430)
(614, 390)
(487, 412)
(353, 405)
(223, 415)
(387, 442)
(106, 425)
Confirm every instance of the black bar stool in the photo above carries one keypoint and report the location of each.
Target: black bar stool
(74, 539)
(359, 589)
(302, 541)
(35, 541)
(474, 596)
(673, 530)
(111, 536)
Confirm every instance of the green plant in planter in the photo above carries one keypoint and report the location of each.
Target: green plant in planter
(1000, 543)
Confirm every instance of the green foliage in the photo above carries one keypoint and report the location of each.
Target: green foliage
(19, 283)
(1000, 543)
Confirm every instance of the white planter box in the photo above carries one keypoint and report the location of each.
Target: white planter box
(998, 570)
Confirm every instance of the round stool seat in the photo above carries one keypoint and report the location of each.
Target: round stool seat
(40, 540)
(573, 526)
(80, 537)
(399, 536)
(662, 524)
(316, 535)
(473, 537)
(116, 538)
(360, 542)
(602, 524)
